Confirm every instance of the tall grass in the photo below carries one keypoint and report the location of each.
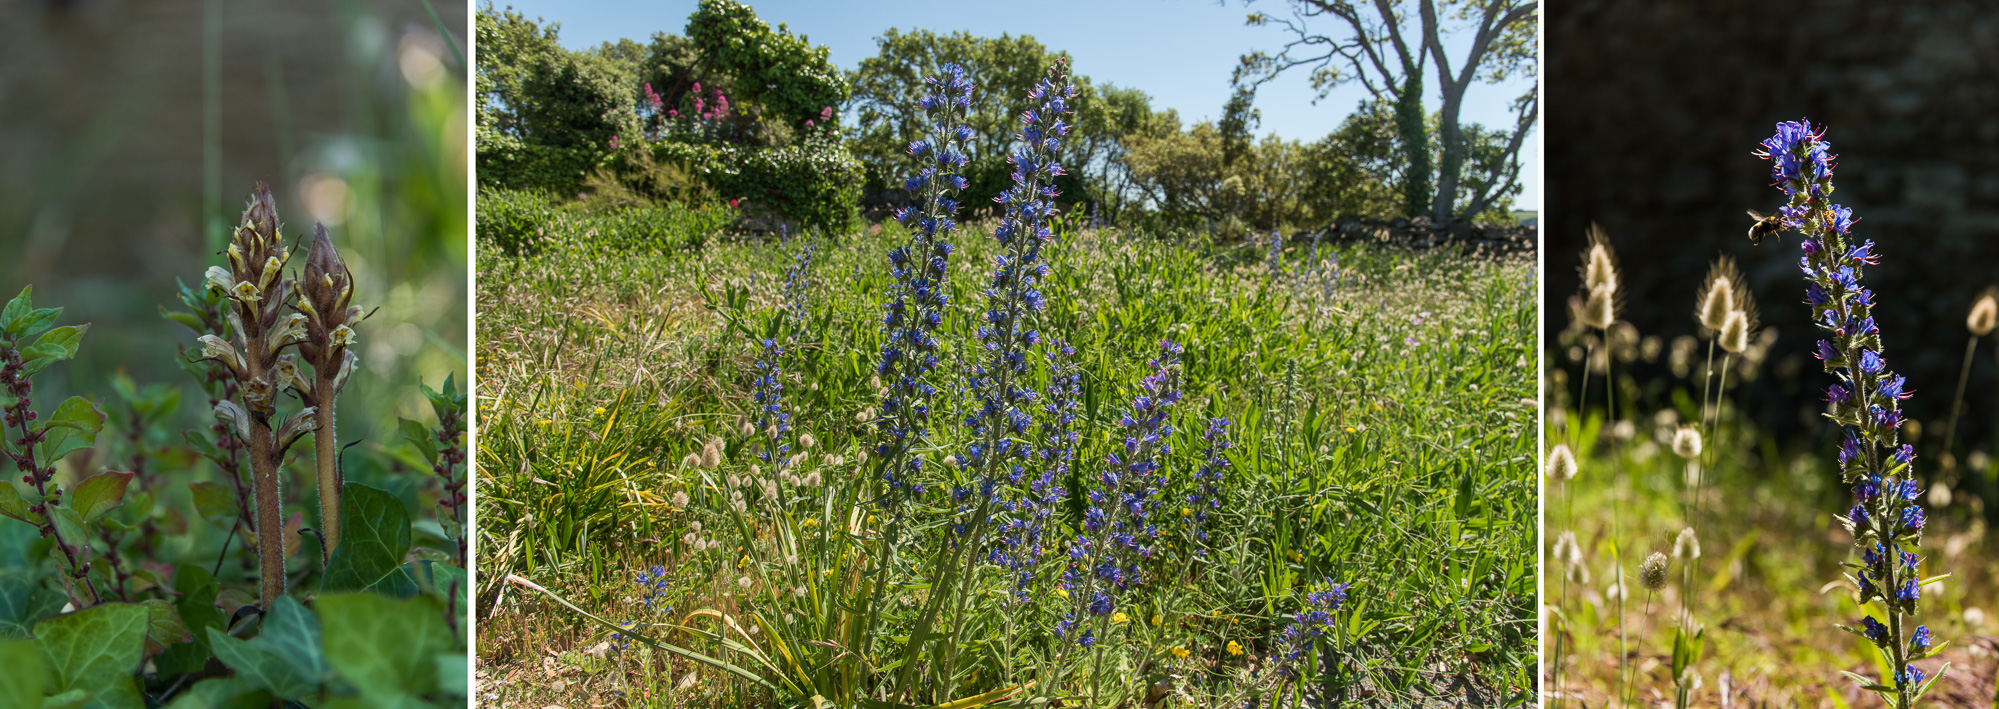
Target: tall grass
(1379, 428)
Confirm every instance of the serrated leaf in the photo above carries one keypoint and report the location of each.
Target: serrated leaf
(58, 344)
(374, 537)
(72, 427)
(383, 646)
(24, 600)
(163, 627)
(100, 494)
(21, 685)
(212, 500)
(97, 650)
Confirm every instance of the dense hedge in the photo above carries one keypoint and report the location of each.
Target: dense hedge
(505, 163)
(814, 184)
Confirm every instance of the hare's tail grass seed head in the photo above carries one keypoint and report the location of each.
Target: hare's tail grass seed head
(1984, 313)
(1865, 401)
(1723, 292)
(1652, 571)
(1601, 297)
(1561, 463)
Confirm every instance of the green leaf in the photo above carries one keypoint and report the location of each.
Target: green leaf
(451, 674)
(73, 427)
(197, 611)
(21, 684)
(419, 435)
(200, 444)
(70, 525)
(383, 646)
(163, 627)
(374, 537)
(15, 309)
(24, 600)
(99, 494)
(97, 650)
(266, 665)
(400, 583)
(212, 500)
(222, 693)
(58, 344)
(11, 503)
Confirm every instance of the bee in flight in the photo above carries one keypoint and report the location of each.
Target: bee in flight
(1766, 226)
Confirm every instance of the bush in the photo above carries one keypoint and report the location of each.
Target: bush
(815, 183)
(506, 163)
(515, 221)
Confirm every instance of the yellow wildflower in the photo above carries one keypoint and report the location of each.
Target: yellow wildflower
(1063, 591)
(1120, 617)
(1180, 652)
(1350, 429)
(1234, 649)
(1155, 620)
(1185, 512)
(1295, 556)
(808, 523)
(600, 411)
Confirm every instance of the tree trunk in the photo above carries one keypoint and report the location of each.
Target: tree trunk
(1412, 125)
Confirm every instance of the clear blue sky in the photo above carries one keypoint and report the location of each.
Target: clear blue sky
(1179, 52)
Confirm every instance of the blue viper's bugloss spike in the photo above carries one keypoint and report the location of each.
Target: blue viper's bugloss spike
(1867, 399)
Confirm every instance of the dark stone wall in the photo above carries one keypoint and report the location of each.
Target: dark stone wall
(1654, 108)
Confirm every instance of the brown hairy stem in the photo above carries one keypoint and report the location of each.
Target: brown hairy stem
(326, 294)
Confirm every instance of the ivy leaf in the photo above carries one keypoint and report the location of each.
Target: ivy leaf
(197, 611)
(163, 627)
(97, 650)
(284, 658)
(222, 693)
(24, 600)
(385, 647)
(21, 684)
(374, 537)
(99, 494)
(73, 427)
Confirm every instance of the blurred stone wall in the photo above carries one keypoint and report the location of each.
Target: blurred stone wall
(1653, 109)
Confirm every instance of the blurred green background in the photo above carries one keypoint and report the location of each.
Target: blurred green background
(132, 133)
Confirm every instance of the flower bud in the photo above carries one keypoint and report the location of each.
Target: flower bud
(1983, 314)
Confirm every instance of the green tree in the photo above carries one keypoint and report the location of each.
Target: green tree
(509, 44)
(1191, 176)
(887, 86)
(793, 80)
(1387, 46)
(575, 101)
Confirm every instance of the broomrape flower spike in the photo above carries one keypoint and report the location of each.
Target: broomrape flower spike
(258, 295)
(1865, 401)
